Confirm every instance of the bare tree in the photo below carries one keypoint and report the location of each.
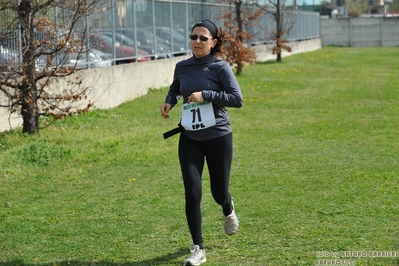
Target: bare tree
(282, 16)
(44, 32)
(357, 7)
(236, 19)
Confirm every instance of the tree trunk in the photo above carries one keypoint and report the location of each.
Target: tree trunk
(278, 57)
(28, 89)
(29, 111)
(279, 27)
(239, 19)
(238, 70)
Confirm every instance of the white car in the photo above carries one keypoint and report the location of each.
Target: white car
(92, 59)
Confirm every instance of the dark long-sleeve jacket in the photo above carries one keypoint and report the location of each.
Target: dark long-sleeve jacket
(215, 79)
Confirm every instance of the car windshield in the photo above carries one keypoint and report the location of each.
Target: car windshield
(123, 39)
(108, 39)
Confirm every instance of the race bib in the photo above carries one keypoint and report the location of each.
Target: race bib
(197, 116)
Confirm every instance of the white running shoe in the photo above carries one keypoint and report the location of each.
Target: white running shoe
(196, 258)
(231, 222)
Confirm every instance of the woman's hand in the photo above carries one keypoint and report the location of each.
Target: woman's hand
(195, 97)
(165, 108)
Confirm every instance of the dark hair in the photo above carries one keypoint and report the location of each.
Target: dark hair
(218, 49)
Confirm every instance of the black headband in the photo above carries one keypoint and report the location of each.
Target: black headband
(209, 25)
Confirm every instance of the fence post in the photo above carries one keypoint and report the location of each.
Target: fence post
(350, 33)
(381, 29)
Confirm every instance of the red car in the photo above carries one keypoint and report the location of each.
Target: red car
(124, 53)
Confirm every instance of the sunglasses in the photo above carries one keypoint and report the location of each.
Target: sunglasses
(195, 37)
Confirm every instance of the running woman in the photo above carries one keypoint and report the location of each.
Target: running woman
(207, 85)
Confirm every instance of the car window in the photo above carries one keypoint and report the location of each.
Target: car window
(108, 40)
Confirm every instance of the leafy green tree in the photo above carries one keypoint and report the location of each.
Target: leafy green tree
(394, 6)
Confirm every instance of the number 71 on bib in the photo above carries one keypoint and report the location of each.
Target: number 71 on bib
(197, 116)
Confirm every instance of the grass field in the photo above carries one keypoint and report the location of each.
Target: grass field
(315, 175)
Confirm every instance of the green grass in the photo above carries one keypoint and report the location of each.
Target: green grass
(316, 148)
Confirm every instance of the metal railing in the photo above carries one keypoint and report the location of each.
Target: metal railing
(132, 31)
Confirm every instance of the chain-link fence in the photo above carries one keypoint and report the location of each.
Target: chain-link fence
(133, 30)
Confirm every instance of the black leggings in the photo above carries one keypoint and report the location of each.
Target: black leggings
(192, 154)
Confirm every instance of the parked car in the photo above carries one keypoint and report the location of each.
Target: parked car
(92, 59)
(123, 53)
(172, 36)
(162, 52)
(10, 58)
(10, 54)
(147, 36)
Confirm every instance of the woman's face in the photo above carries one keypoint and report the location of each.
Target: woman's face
(201, 48)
